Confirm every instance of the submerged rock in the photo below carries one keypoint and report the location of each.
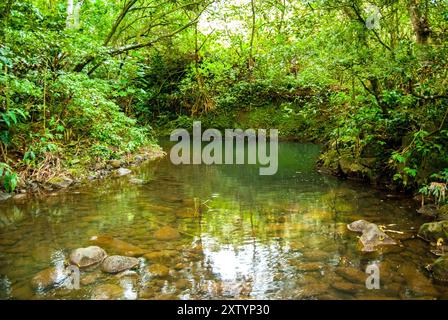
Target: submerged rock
(347, 287)
(117, 246)
(48, 278)
(442, 213)
(352, 274)
(86, 257)
(160, 255)
(418, 283)
(122, 172)
(136, 181)
(428, 211)
(372, 237)
(314, 289)
(433, 231)
(166, 234)
(316, 255)
(107, 292)
(158, 270)
(127, 274)
(439, 269)
(308, 267)
(115, 264)
(89, 279)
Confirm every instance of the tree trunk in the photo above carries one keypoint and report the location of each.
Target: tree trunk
(127, 6)
(70, 14)
(251, 62)
(419, 20)
(77, 11)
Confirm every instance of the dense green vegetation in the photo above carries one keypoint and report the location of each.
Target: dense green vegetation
(87, 81)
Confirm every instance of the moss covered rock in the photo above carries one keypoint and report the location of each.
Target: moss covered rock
(60, 182)
(433, 231)
(442, 213)
(439, 269)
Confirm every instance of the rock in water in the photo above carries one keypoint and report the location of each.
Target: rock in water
(417, 282)
(442, 213)
(107, 292)
(358, 226)
(49, 277)
(60, 182)
(433, 231)
(351, 274)
(115, 264)
(428, 211)
(372, 237)
(123, 172)
(136, 181)
(4, 196)
(158, 270)
(86, 257)
(167, 234)
(439, 269)
(115, 164)
(117, 246)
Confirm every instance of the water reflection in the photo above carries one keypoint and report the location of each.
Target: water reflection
(241, 235)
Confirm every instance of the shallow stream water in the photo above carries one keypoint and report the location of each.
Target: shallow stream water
(242, 235)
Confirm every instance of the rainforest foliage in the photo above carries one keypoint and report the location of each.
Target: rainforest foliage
(85, 81)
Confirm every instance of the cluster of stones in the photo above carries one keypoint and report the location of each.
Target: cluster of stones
(94, 257)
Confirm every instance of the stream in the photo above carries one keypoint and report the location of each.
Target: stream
(241, 235)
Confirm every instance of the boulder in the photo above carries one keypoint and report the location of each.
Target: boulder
(358, 225)
(372, 237)
(86, 257)
(433, 231)
(116, 264)
(49, 277)
(166, 234)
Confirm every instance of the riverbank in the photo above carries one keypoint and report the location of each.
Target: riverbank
(69, 173)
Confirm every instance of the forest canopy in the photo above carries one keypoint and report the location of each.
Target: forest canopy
(84, 82)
